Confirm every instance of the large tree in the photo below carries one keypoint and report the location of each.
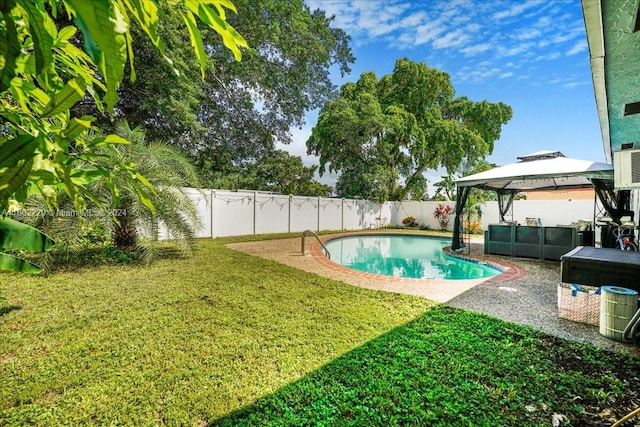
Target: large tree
(241, 109)
(383, 134)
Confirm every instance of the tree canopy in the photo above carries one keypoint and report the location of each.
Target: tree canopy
(381, 135)
(240, 110)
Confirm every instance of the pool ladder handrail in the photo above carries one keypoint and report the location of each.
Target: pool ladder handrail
(304, 234)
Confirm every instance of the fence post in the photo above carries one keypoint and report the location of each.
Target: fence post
(289, 217)
(342, 219)
(255, 209)
(318, 213)
(212, 196)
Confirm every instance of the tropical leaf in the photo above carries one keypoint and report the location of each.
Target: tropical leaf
(83, 177)
(12, 179)
(146, 13)
(132, 72)
(101, 141)
(63, 100)
(28, 95)
(230, 37)
(40, 25)
(14, 150)
(77, 126)
(103, 28)
(9, 51)
(145, 182)
(220, 5)
(196, 40)
(12, 263)
(16, 236)
(66, 33)
(43, 177)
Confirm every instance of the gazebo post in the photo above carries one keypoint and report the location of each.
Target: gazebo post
(461, 199)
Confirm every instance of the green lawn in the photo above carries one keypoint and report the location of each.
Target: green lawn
(229, 339)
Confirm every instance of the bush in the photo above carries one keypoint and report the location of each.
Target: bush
(409, 222)
(443, 215)
(472, 227)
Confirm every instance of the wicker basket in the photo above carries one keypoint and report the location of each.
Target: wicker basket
(579, 303)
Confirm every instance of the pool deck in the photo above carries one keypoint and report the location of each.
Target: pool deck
(526, 293)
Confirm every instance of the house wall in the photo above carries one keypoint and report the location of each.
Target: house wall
(575, 194)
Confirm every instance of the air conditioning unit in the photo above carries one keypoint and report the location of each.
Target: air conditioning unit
(626, 169)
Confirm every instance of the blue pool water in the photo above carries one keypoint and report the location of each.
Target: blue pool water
(417, 257)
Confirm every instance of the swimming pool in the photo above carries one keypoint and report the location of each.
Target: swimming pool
(411, 256)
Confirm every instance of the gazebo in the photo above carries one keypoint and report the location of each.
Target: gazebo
(543, 170)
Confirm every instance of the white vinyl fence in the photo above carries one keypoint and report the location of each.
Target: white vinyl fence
(234, 213)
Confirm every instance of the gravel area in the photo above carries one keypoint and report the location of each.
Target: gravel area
(529, 299)
(533, 300)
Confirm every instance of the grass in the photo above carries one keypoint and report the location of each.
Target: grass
(228, 339)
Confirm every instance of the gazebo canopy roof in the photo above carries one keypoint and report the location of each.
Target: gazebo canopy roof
(543, 170)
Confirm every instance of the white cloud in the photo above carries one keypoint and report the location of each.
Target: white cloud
(515, 50)
(543, 43)
(428, 32)
(548, 57)
(473, 28)
(505, 75)
(527, 34)
(561, 38)
(571, 85)
(580, 46)
(498, 32)
(476, 49)
(477, 74)
(544, 23)
(452, 39)
(413, 20)
(514, 10)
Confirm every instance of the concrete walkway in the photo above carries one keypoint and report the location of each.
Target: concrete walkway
(526, 294)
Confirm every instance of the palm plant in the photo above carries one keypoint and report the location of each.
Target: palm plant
(130, 223)
(133, 224)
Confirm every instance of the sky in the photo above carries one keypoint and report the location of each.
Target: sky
(532, 55)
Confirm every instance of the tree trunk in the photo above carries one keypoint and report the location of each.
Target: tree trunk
(124, 232)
